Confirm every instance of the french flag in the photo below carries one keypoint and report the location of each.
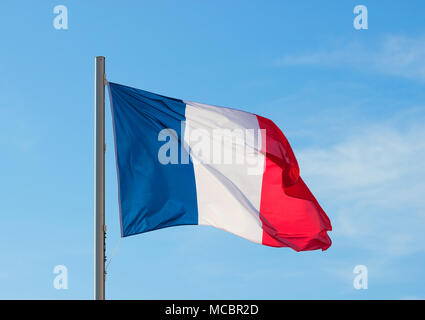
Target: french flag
(188, 163)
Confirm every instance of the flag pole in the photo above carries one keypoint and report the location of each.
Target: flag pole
(99, 180)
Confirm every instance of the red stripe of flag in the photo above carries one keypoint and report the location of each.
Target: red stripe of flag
(290, 214)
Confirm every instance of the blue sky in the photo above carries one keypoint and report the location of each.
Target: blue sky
(351, 102)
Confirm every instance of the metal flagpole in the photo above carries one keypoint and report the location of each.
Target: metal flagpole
(99, 180)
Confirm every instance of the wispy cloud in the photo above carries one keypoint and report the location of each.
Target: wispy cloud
(374, 182)
(393, 55)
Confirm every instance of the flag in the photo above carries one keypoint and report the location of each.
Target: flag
(188, 163)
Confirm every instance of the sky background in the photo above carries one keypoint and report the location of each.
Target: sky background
(351, 103)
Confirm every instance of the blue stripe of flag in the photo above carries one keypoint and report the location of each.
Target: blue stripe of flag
(152, 195)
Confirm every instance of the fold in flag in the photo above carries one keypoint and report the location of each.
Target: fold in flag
(187, 163)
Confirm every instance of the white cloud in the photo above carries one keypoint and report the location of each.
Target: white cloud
(393, 55)
(374, 184)
(371, 163)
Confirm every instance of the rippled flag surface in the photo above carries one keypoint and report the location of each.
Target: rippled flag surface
(188, 163)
